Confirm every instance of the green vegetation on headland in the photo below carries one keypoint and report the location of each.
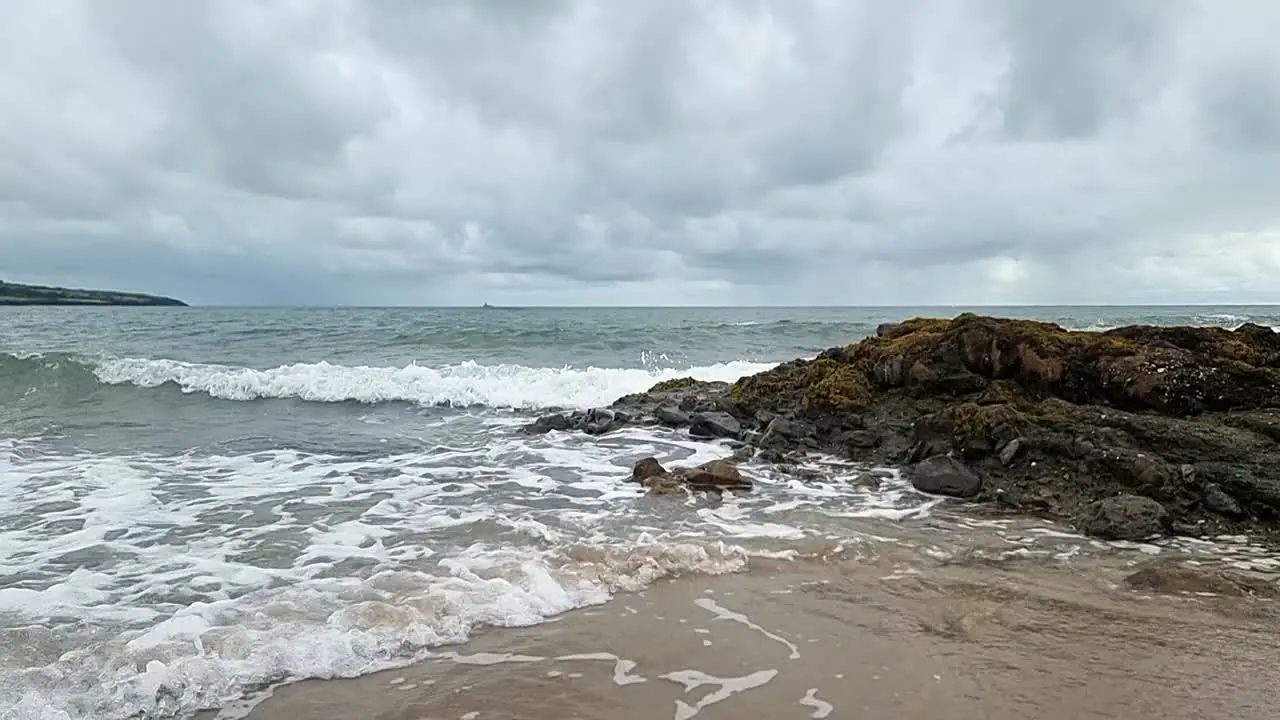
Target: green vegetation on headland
(16, 294)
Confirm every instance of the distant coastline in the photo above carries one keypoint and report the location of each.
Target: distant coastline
(19, 294)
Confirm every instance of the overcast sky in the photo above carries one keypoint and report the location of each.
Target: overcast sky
(663, 152)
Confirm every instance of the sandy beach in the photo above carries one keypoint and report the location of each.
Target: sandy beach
(843, 641)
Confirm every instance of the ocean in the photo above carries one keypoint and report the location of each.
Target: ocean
(199, 504)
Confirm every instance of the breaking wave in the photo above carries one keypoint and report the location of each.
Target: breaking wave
(460, 385)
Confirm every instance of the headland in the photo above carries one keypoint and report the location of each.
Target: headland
(19, 294)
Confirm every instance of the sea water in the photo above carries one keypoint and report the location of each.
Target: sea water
(199, 503)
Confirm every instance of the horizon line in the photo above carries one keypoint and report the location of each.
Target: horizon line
(214, 306)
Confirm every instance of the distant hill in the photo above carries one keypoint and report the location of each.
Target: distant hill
(16, 294)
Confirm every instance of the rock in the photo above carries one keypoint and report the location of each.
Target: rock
(779, 433)
(548, 423)
(664, 484)
(1124, 517)
(859, 440)
(776, 457)
(744, 453)
(1218, 501)
(714, 425)
(671, 416)
(1186, 529)
(601, 421)
(943, 475)
(1010, 451)
(1050, 421)
(892, 330)
(866, 480)
(713, 476)
(592, 422)
(646, 468)
(802, 474)
(1170, 576)
(717, 475)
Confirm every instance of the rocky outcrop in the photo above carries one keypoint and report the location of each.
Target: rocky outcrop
(1025, 416)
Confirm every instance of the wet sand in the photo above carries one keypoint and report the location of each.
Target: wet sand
(846, 640)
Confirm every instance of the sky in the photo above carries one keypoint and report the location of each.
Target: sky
(666, 152)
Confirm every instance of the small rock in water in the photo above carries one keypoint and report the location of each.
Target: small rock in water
(1124, 517)
(1172, 577)
(717, 474)
(944, 475)
(714, 425)
(867, 480)
(601, 421)
(646, 468)
(712, 476)
(802, 473)
(664, 484)
(547, 423)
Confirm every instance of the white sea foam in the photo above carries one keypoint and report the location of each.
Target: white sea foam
(499, 386)
(152, 585)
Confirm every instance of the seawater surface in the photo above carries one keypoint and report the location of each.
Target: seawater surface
(198, 504)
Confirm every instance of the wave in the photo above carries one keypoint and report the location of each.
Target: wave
(392, 558)
(209, 654)
(465, 384)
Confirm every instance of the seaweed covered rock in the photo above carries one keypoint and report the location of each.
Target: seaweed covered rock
(1124, 517)
(1050, 420)
(715, 476)
(1180, 371)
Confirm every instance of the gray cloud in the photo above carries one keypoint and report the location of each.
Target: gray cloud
(658, 153)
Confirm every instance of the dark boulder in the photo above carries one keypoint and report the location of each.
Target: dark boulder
(714, 475)
(671, 416)
(598, 421)
(1010, 451)
(1124, 517)
(548, 423)
(646, 468)
(665, 484)
(1218, 501)
(943, 475)
(601, 421)
(714, 425)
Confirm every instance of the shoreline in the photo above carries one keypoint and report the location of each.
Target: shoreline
(837, 640)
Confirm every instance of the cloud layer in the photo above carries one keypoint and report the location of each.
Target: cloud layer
(664, 152)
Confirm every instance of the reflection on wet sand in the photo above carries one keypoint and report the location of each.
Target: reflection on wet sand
(965, 638)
